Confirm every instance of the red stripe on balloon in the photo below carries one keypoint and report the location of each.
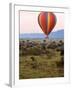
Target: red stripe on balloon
(42, 21)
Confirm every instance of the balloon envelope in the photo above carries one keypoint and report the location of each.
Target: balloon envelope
(47, 21)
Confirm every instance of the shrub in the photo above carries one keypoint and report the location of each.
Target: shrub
(60, 43)
(44, 41)
(60, 63)
(34, 63)
(62, 52)
(52, 45)
(43, 47)
(32, 58)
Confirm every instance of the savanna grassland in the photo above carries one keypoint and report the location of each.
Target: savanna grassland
(41, 58)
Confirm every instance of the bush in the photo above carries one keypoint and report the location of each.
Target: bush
(34, 63)
(62, 52)
(60, 63)
(52, 45)
(60, 43)
(43, 47)
(44, 41)
(32, 58)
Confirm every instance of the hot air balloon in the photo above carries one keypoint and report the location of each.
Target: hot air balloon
(47, 21)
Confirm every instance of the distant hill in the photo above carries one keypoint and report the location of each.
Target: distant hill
(53, 35)
(57, 34)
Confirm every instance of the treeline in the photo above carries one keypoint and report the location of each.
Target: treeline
(39, 48)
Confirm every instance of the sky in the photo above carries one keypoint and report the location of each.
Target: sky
(29, 22)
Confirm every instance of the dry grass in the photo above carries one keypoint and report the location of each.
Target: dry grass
(49, 63)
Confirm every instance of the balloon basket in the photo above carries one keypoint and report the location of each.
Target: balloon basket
(46, 37)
